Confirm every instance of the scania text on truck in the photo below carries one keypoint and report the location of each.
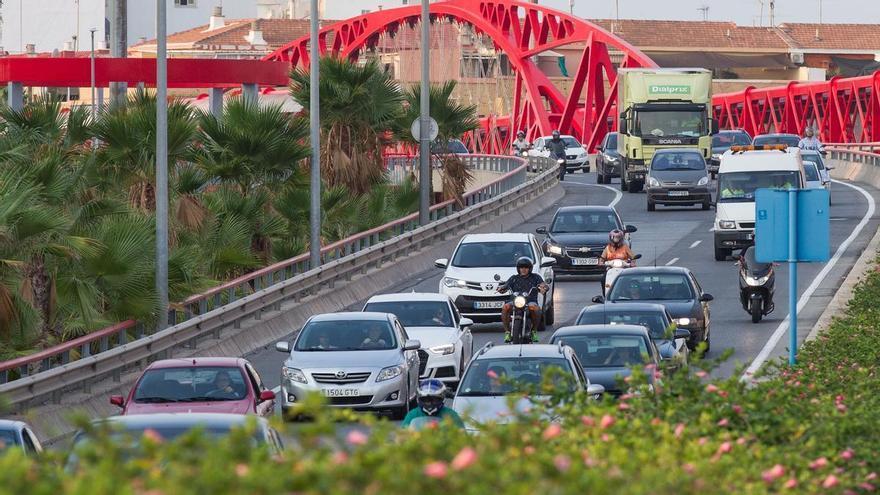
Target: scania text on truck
(661, 108)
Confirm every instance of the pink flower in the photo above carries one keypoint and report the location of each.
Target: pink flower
(722, 422)
(491, 374)
(605, 437)
(871, 477)
(340, 457)
(679, 430)
(841, 407)
(830, 482)
(711, 388)
(790, 484)
(436, 470)
(773, 474)
(528, 450)
(552, 431)
(689, 468)
(464, 459)
(867, 487)
(725, 447)
(153, 435)
(656, 422)
(562, 463)
(588, 460)
(355, 437)
(623, 406)
(626, 397)
(588, 421)
(819, 463)
(740, 441)
(607, 421)
(737, 409)
(701, 374)
(847, 454)
(242, 470)
(702, 441)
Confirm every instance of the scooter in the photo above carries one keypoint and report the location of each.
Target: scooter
(613, 268)
(757, 282)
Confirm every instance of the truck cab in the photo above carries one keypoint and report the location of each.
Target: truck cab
(744, 170)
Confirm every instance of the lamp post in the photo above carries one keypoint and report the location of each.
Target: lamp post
(92, 69)
(314, 124)
(425, 118)
(161, 165)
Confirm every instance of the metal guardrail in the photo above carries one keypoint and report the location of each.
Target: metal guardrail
(222, 301)
(855, 156)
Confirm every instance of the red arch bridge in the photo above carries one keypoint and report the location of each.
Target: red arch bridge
(844, 110)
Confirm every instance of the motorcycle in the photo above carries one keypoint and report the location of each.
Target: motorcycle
(757, 282)
(520, 322)
(613, 268)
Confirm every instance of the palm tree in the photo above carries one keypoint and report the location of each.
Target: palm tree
(359, 103)
(453, 121)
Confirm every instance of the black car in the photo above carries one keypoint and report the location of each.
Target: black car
(789, 140)
(578, 235)
(608, 160)
(671, 342)
(674, 287)
(609, 352)
(722, 142)
(678, 177)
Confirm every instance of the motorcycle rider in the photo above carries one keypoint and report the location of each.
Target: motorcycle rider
(616, 249)
(810, 141)
(557, 152)
(431, 396)
(520, 145)
(524, 281)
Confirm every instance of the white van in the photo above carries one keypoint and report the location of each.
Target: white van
(742, 171)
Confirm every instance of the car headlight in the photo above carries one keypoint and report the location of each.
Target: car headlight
(716, 157)
(683, 322)
(519, 302)
(757, 281)
(703, 181)
(454, 282)
(727, 224)
(293, 374)
(582, 155)
(389, 373)
(653, 182)
(613, 159)
(554, 249)
(443, 349)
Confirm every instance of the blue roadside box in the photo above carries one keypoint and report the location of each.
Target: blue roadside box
(772, 226)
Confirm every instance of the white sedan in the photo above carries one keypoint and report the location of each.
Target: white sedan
(575, 154)
(433, 320)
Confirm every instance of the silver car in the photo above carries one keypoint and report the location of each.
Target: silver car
(363, 361)
(18, 435)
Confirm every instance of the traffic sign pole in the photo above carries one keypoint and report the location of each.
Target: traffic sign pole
(792, 276)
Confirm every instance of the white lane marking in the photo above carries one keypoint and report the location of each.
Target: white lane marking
(712, 228)
(617, 194)
(695, 244)
(277, 389)
(672, 261)
(762, 356)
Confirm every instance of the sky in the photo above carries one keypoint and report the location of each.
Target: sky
(743, 12)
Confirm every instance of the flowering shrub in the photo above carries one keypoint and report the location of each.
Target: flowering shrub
(807, 429)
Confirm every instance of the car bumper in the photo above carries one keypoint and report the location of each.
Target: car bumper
(442, 367)
(372, 395)
(679, 195)
(637, 176)
(734, 239)
(566, 265)
(472, 303)
(611, 169)
(577, 163)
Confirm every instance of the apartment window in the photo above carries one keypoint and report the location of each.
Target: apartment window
(184, 3)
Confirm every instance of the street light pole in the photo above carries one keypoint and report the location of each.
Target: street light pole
(315, 125)
(92, 69)
(424, 124)
(161, 164)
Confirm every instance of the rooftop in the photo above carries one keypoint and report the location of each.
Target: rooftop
(600, 330)
(522, 350)
(196, 362)
(409, 296)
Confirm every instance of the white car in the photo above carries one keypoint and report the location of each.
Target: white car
(575, 154)
(483, 261)
(816, 157)
(432, 319)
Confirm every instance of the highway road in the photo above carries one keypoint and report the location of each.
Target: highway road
(683, 237)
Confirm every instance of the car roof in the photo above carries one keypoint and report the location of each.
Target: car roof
(409, 296)
(352, 315)
(629, 306)
(508, 236)
(663, 151)
(777, 134)
(587, 208)
(561, 136)
(640, 270)
(600, 330)
(761, 161)
(526, 351)
(197, 362)
(11, 424)
(190, 420)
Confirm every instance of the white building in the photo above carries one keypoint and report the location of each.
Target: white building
(49, 24)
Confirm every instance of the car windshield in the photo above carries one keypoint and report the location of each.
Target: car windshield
(501, 376)
(814, 158)
(8, 439)
(571, 142)
(651, 287)
(607, 351)
(654, 322)
(490, 254)
(811, 173)
(193, 384)
(669, 123)
(611, 144)
(789, 140)
(678, 161)
(415, 313)
(584, 221)
(728, 139)
(738, 187)
(350, 335)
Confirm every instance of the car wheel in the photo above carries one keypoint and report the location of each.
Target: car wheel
(600, 179)
(634, 187)
(721, 254)
(652, 206)
(622, 183)
(549, 315)
(706, 205)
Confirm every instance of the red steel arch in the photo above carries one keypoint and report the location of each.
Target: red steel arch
(521, 30)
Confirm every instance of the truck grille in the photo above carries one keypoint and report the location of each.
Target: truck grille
(747, 225)
(348, 378)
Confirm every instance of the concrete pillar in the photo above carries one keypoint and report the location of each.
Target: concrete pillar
(99, 99)
(15, 95)
(250, 92)
(215, 102)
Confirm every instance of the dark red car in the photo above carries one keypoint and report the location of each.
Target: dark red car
(198, 385)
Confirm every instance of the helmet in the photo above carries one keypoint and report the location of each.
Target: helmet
(808, 132)
(555, 134)
(615, 237)
(524, 262)
(431, 394)
(521, 134)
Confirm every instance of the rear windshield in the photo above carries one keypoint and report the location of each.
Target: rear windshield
(608, 351)
(813, 158)
(194, 384)
(8, 439)
(678, 161)
(789, 140)
(501, 376)
(351, 335)
(728, 139)
(654, 322)
(415, 313)
(651, 287)
(811, 174)
(490, 254)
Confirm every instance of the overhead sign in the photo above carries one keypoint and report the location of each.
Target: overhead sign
(416, 127)
(669, 89)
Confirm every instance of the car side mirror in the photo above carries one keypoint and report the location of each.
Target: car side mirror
(547, 262)
(541, 230)
(465, 322)
(713, 126)
(681, 333)
(283, 347)
(441, 263)
(598, 299)
(829, 167)
(412, 345)
(706, 297)
(595, 389)
(267, 395)
(637, 257)
(621, 126)
(630, 229)
(117, 400)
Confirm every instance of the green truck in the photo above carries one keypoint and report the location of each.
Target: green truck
(661, 108)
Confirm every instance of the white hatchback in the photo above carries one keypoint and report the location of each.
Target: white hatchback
(432, 319)
(575, 155)
(483, 261)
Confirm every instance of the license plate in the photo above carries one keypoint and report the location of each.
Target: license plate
(678, 193)
(585, 261)
(341, 392)
(488, 304)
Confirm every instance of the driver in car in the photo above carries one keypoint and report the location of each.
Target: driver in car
(374, 338)
(524, 281)
(223, 386)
